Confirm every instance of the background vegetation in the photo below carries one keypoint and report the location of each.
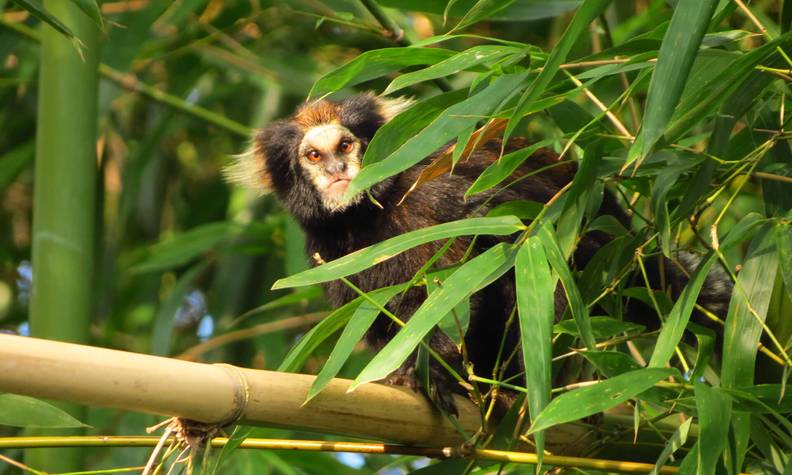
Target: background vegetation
(680, 108)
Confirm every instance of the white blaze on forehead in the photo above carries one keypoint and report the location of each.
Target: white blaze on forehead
(324, 138)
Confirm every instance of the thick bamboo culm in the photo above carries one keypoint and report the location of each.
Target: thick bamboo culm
(223, 393)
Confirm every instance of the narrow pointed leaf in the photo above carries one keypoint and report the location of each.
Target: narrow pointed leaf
(459, 62)
(673, 444)
(372, 255)
(535, 302)
(376, 63)
(445, 128)
(674, 61)
(714, 417)
(90, 8)
(360, 321)
(576, 305)
(23, 411)
(475, 274)
(588, 11)
(504, 167)
(585, 401)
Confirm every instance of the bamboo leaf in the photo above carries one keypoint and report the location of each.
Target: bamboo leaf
(678, 318)
(588, 11)
(376, 63)
(446, 127)
(585, 401)
(23, 411)
(459, 62)
(674, 61)
(372, 255)
(165, 319)
(90, 8)
(743, 329)
(783, 236)
(296, 357)
(408, 124)
(481, 10)
(472, 276)
(714, 417)
(601, 327)
(360, 321)
(504, 167)
(576, 305)
(535, 302)
(673, 444)
(39, 12)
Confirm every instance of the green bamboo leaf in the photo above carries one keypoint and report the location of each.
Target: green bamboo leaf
(473, 275)
(360, 321)
(665, 180)
(23, 411)
(722, 87)
(408, 124)
(459, 62)
(588, 11)
(576, 305)
(90, 8)
(504, 167)
(674, 61)
(585, 401)
(714, 418)
(751, 292)
(674, 443)
(601, 327)
(297, 356)
(705, 338)
(578, 199)
(743, 329)
(611, 363)
(481, 10)
(445, 128)
(39, 12)
(678, 318)
(372, 255)
(607, 224)
(783, 236)
(523, 209)
(376, 63)
(535, 303)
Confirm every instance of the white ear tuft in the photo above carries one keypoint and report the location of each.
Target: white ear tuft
(248, 170)
(391, 107)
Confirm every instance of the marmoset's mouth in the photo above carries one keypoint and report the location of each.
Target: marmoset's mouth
(338, 185)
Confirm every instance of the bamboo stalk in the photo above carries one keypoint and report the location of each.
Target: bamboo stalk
(223, 394)
(63, 203)
(353, 447)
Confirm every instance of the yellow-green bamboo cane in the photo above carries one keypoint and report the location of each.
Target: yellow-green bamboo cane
(224, 393)
(65, 182)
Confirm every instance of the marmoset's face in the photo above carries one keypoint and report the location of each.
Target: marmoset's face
(330, 156)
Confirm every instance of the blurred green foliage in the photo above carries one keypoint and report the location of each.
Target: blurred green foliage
(182, 257)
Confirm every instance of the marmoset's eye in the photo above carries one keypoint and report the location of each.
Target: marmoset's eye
(313, 156)
(345, 146)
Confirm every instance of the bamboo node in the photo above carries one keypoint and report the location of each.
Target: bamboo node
(241, 394)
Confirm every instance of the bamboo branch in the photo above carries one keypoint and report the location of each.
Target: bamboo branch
(224, 394)
(353, 447)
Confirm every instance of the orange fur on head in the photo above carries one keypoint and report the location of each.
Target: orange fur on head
(317, 113)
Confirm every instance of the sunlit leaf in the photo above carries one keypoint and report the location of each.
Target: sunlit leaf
(472, 276)
(585, 401)
(372, 255)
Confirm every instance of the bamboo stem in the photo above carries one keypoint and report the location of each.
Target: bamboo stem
(354, 447)
(63, 203)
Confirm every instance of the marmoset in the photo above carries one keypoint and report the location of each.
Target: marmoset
(309, 159)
